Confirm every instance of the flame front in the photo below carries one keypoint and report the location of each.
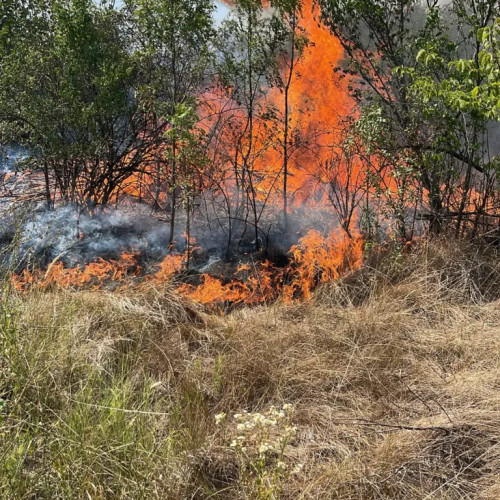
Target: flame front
(93, 275)
(314, 260)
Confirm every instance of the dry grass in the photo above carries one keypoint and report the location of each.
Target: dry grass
(394, 374)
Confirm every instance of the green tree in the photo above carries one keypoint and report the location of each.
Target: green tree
(468, 91)
(173, 39)
(472, 85)
(249, 45)
(380, 37)
(67, 95)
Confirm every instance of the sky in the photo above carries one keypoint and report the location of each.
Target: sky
(220, 13)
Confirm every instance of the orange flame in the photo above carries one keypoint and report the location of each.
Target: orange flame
(93, 274)
(314, 260)
(169, 266)
(318, 101)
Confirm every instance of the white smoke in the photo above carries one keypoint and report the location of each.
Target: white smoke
(76, 238)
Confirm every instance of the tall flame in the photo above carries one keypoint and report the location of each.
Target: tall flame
(318, 102)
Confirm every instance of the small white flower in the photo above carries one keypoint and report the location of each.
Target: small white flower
(219, 418)
(297, 468)
(287, 407)
(264, 448)
(237, 416)
(241, 427)
(281, 465)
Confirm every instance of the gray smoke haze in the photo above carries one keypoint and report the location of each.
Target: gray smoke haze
(10, 155)
(37, 236)
(78, 238)
(75, 237)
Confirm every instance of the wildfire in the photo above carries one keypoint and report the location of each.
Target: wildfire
(169, 266)
(319, 260)
(212, 291)
(315, 259)
(317, 102)
(93, 275)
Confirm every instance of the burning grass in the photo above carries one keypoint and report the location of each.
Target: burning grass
(392, 373)
(315, 259)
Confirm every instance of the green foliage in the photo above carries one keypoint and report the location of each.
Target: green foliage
(65, 91)
(68, 75)
(173, 38)
(473, 85)
(87, 88)
(191, 155)
(424, 107)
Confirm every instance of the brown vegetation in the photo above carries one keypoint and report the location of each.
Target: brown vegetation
(393, 374)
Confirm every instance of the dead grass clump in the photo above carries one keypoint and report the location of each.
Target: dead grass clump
(454, 271)
(101, 327)
(396, 393)
(89, 395)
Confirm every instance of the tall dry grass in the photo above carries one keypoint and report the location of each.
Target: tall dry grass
(393, 373)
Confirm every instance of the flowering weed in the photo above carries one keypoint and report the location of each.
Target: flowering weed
(260, 442)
